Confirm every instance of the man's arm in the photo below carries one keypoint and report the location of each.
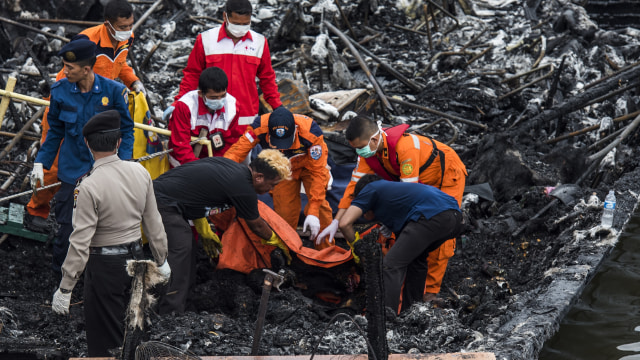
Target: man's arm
(85, 220)
(127, 75)
(153, 227)
(260, 228)
(346, 222)
(239, 151)
(410, 160)
(361, 169)
(320, 175)
(180, 126)
(55, 134)
(267, 77)
(121, 102)
(195, 65)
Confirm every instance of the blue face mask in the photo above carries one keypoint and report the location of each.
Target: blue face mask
(214, 105)
(366, 151)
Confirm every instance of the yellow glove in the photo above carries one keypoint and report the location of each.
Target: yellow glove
(210, 241)
(356, 258)
(275, 240)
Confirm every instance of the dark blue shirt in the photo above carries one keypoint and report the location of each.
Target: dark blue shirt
(69, 111)
(397, 203)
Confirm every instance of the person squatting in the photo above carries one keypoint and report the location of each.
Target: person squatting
(104, 201)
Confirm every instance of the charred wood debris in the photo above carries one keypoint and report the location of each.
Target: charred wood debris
(540, 103)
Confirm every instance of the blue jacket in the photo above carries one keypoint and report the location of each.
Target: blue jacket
(69, 110)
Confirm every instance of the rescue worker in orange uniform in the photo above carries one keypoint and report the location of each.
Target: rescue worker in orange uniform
(396, 155)
(113, 39)
(301, 140)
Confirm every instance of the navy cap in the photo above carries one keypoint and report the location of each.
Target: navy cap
(106, 121)
(281, 128)
(80, 48)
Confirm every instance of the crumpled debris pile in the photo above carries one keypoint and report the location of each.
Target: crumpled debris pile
(502, 64)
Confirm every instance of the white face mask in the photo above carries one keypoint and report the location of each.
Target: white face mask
(237, 30)
(119, 35)
(214, 104)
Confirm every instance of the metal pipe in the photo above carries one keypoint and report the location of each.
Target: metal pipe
(439, 113)
(31, 28)
(144, 16)
(64, 21)
(363, 65)
(529, 83)
(19, 135)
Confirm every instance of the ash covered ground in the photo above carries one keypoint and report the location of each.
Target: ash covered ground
(514, 273)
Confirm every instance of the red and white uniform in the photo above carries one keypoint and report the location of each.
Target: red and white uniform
(191, 115)
(242, 62)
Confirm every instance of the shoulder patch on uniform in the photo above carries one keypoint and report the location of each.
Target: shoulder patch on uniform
(125, 95)
(76, 191)
(407, 169)
(315, 152)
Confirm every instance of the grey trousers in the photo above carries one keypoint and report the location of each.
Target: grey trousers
(406, 261)
(181, 258)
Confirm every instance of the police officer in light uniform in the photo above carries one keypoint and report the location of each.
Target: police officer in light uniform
(74, 100)
(109, 204)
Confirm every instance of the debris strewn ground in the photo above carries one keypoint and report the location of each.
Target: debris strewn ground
(516, 268)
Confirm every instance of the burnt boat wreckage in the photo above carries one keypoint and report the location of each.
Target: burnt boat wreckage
(540, 103)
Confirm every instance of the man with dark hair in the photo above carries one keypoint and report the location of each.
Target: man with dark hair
(301, 140)
(209, 186)
(243, 54)
(208, 111)
(74, 100)
(113, 39)
(110, 202)
(396, 155)
(422, 217)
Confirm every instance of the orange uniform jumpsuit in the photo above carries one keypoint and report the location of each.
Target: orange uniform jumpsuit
(110, 63)
(413, 151)
(308, 156)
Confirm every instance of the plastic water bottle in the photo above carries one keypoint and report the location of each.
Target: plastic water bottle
(609, 209)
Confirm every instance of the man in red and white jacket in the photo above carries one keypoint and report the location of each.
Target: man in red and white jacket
(243, 54)
(211, 108)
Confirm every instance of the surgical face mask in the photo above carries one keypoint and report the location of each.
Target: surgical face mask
(366, 151)
(214, 105)
(237, 30)
(119, 35)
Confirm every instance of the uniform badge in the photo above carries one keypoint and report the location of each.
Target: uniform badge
(70, 56)
(75, 197)
(125, 95)
(315, 152)
(105, 101)
(407, 169)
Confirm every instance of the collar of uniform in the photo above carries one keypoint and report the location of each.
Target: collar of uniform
(105, 160)
(223, 34)
(203, 109)
(97, 85)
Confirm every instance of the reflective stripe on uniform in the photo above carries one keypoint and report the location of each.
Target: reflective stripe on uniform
(246, 120)
(249, 137)
(413, 179)
(416, 141)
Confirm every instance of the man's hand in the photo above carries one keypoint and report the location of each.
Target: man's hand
(356, 258)
(329, 230)
(210, 241)
(60, 302)
(37, 174)
(167, 113)
(313, 223)
(277, 242)
(165, 270)
(138, 87)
